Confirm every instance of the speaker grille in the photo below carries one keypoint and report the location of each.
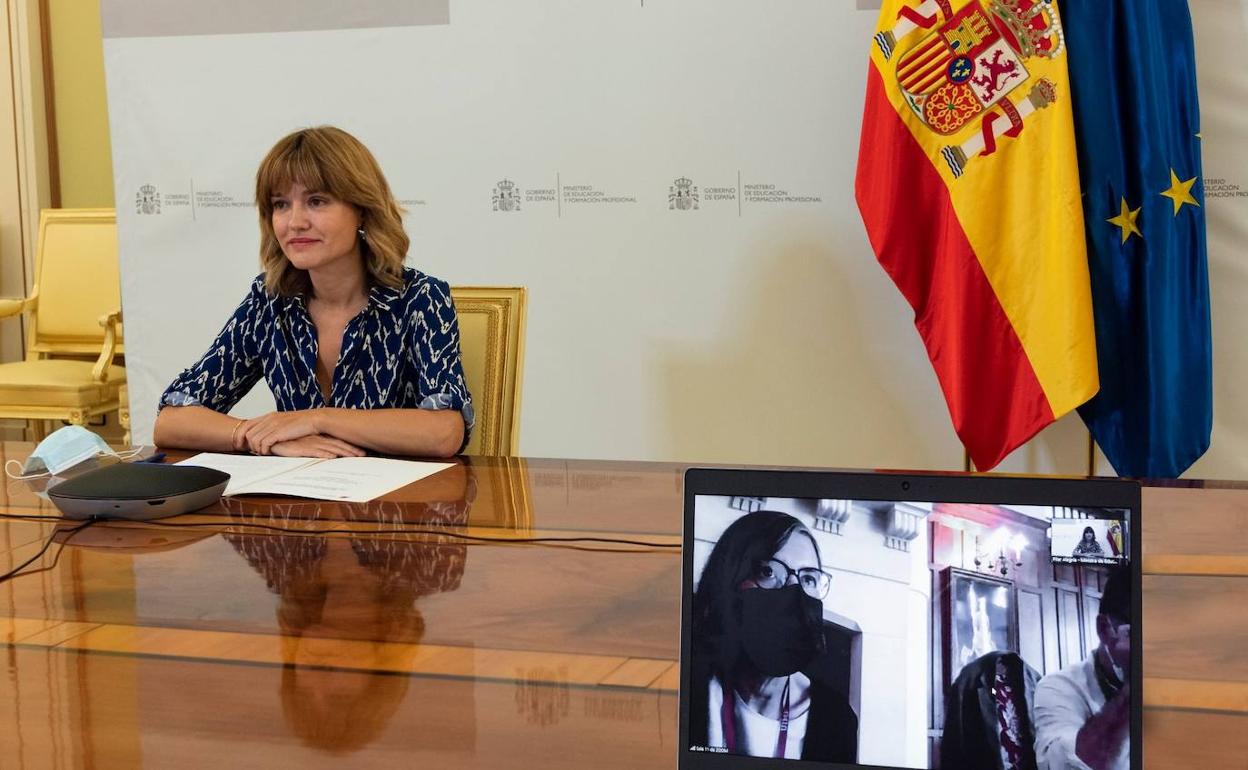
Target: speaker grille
(138, 481)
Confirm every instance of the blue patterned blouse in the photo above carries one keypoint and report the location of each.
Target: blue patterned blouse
(400, 352)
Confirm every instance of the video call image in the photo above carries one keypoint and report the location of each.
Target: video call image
(1090, 541)
(910, 634)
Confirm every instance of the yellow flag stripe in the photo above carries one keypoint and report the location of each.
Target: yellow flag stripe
(1021, 210)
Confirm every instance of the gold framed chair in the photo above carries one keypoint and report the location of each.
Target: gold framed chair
(123, 413)
(73, 327)
(491, 331)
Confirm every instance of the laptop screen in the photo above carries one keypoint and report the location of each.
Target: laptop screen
(909, 633)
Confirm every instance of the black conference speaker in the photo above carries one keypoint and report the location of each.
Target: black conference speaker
(139, 491)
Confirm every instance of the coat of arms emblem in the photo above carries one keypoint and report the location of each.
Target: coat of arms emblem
(147, 200)
(965, 68)
(506, 196)
(974, 60)
(682, 195)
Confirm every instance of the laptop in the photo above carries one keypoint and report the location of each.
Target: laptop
(882, 620)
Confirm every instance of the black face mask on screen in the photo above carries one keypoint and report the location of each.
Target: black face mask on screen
(781, 629)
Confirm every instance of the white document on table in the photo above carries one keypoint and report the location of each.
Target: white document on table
(349, 479)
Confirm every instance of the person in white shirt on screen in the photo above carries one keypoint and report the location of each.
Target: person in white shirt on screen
(757, 624)
(1083, 712)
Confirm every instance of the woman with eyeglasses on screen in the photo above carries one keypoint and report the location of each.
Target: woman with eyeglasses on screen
(360, 352)
(757, 623)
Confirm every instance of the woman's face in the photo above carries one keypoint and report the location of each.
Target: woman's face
(314, 228)
(781, 630)
(1088, 536)
(798, 552)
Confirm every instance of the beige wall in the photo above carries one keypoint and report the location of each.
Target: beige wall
(84, 155)
(873, 431)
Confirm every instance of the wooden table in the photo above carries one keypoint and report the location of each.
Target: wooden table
(379, 643)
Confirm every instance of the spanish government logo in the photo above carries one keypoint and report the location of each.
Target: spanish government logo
(506, 196)
(969, 64)
(682, 195)
(147, 200)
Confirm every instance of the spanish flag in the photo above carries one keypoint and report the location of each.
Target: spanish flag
(968, 183)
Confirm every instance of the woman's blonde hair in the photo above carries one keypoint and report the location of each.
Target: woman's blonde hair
(329, 160)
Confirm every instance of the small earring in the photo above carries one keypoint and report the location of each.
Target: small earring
(360, 232)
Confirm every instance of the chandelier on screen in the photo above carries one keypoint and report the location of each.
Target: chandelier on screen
(1000, 551)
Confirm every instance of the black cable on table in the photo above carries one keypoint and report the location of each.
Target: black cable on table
(406, 531)
(572, 542)
(17, 571)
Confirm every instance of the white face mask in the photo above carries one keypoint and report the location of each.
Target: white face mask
(62, 450)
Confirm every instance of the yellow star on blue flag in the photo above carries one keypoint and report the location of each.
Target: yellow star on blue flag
(1180, 192)
(1137, 117)
(1126, 220)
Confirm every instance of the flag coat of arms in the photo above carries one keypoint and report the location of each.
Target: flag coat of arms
(968, 183)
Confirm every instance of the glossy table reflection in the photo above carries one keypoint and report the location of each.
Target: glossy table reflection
(384, 643)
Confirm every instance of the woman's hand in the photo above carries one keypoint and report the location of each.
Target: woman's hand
(261, 434)
(315, 445)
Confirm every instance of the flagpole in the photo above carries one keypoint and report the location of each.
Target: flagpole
(1091, 455)
(966, 461)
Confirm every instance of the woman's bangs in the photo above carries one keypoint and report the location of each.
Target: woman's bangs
(297, 165)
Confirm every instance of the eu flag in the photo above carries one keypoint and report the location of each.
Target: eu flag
(1137, 128)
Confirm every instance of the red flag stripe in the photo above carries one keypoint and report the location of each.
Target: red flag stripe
(927, 85)
(934, 64)
(935, 70)
(919, 61)
(921, 50)
(992, 391)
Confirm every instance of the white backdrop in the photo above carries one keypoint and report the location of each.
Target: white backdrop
(754, 328)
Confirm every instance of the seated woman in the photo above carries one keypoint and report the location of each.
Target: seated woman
(360, 352)
(757, 626)
(1088, 545)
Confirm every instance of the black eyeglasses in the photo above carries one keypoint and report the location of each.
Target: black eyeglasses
(773, 573)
